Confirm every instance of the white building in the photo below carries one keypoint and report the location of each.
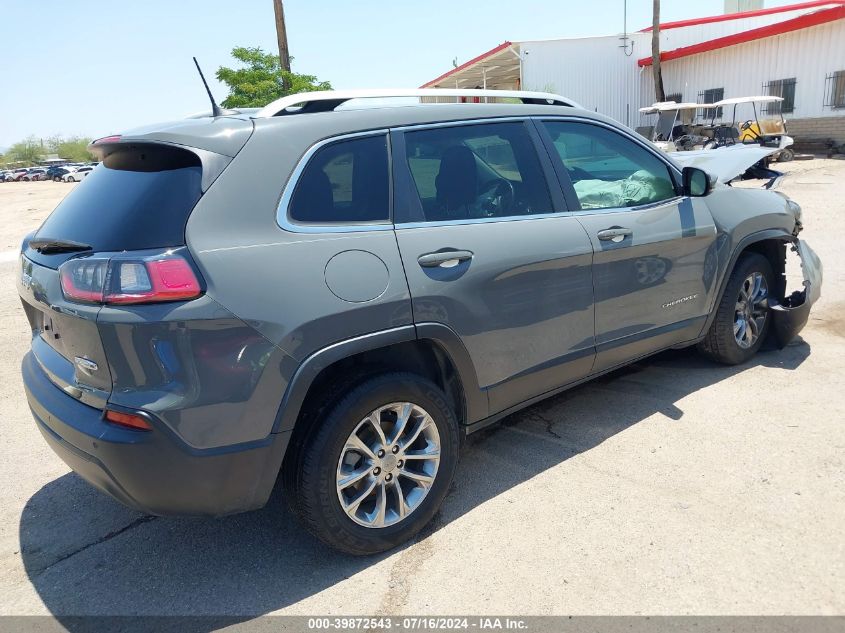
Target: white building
(795, 51)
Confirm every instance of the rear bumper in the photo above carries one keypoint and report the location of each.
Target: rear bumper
(151, 471)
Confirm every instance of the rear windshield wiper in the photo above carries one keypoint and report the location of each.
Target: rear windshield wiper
(47, 245)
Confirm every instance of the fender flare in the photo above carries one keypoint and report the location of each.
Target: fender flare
(475, 398)
(748, 240)
(440, 334)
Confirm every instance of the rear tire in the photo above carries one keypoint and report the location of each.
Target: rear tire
(786, 155)
(315, 478)
(742, 317)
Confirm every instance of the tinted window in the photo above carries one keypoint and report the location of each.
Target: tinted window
(344, 182)
(608, 170)
(139, 197)
(476, 171)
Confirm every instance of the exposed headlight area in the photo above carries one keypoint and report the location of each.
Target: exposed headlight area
(796, 209)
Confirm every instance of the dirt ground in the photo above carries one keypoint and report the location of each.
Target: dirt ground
(673, 487)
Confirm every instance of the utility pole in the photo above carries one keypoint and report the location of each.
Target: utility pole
(659, 95)
(282, 35)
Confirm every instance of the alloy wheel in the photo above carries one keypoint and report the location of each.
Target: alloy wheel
(751, 310)
(388, 464)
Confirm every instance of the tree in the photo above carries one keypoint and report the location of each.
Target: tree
(282, 34)
(262, 80)
(27, 151)
(32, 149)
(659, 95)
(75, 149)
(51, 143)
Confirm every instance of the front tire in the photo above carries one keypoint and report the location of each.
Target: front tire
(375, 470)
(742, 317)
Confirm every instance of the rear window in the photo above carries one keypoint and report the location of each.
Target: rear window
(139, 197)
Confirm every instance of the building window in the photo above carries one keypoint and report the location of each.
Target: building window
(835, 90)
(780, 88)
(711, 95)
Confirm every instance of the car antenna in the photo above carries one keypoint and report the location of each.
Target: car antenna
(216, 110)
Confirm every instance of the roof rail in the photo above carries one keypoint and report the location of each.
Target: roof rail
(327, 100)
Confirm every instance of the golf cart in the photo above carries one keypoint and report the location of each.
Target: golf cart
(675, 130)
(766, 132)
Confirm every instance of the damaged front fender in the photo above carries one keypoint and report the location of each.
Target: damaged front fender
(790, 314)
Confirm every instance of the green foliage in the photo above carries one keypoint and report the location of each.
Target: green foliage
(261, 80)
(32, 149)
(27, 151)
(75, 149)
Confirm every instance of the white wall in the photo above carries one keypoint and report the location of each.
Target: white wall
(671, 39)
(808, 55)
(593, 71)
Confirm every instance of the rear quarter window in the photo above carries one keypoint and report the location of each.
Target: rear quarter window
(344, 182)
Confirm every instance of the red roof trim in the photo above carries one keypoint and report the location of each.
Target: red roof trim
(744, 14)
(474, 60)
(795, 24)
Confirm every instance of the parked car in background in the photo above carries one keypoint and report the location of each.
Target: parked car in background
(19, 173)
(75, 175)
(409, 276)
(56, 172)
(33, 174)
(6, 176)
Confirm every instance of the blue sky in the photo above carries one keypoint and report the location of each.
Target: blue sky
(95, 67)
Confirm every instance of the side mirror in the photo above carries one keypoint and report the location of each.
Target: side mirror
(697, 182)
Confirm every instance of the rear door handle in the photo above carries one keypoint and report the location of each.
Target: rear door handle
(444, 259)
(616, 234)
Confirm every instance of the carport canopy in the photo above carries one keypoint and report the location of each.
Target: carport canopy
(498, 68)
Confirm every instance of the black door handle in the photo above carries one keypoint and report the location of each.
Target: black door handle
(444, 259)
(615, 234)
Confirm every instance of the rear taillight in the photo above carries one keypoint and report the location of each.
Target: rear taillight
(84, 279)
(129, 278)
(165, 279)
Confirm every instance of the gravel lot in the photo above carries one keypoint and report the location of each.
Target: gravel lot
(672, 487)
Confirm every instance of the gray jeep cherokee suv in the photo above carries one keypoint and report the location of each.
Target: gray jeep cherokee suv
(331, 297)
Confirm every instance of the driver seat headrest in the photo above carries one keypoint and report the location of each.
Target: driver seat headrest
(457, 179)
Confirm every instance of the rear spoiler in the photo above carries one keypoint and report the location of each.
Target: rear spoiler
(212, 163)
